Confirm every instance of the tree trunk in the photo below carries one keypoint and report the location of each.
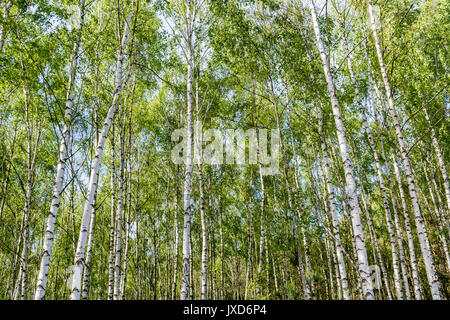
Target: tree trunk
(334, 219)
(440, 222)
(306, 287)
(60, 169)
(390, 226)
(87, 269)
(2, 25)
(118, 240)
(440, 158)
(93, 179)
(123, 278)
(21, 282)
(112, 229)
(175, 243)
(433, 280)
(412, 254)
(363, 265)
(185, 278)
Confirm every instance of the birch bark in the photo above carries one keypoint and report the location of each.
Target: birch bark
(5, 20)
(21, 282)
(123, 278)
(112, 228)
(175, 241)
(185, 278)
(440, 158)
(93, 179)
(60, 169)
(363, 265)
(412, 254)
(87, 269)
(433, 280)
(305, 284)
(334, 218)
(118, 240)
(387, 211)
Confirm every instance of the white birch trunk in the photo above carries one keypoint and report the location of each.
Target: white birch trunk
(185, 279)
(249, 253)
(433, 279)
(112, 228)
(93, 179)
(60, 169)
(363, 265)
(440, 158)
(305, 284)
(87, 269)
(199, 143)
(123, 278)
(387, 211)
(437, 214)
(123, 275)
(412, 254)
(21, 282)
(175, 242)
(118, 240)
(334, 219)
(400, 250)
(262, 221)
(5, 20)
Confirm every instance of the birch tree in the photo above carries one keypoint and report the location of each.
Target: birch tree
(93, 179)
(62, 160)
(363, 265)
(421, 231)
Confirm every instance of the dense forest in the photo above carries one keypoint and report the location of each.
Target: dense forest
(119, 178)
